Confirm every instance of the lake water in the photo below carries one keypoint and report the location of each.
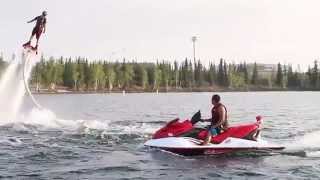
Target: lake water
(101, 137)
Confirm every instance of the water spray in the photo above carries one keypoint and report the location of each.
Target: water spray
(27, 67)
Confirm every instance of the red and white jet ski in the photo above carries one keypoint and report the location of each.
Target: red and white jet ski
(183, 138)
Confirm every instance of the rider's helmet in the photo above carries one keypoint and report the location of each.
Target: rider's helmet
(44, 13)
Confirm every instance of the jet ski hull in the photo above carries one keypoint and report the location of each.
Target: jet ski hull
(191, 147)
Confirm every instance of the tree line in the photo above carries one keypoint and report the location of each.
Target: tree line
(81, 74)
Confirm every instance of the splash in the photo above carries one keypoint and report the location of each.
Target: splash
(309, 144)
(308, 141)
(44, 119)
(12, 86)
(11, 91)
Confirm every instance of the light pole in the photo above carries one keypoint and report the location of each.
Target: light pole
(194, 39)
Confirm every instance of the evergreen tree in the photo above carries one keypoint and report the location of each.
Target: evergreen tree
(75, 75)
(198, 74)
(110, 75)
(140, 76)
(86, 71)
(151, 71)
(296, 80)
(314, 75)
(226, 78)
(185, 81)
(78, 74)
(176, 74)
(67, 74)
(212, 74)
(118, 72)
(59, 66)
(157, 77)
(126, 74)
(284, 76)
(245, 72)
(97, 76)
(164, 79)
(36, 76)
(190, 75)
(254, 78)
(293, 78)
(221, 74)
(279, 77)
(81, 71)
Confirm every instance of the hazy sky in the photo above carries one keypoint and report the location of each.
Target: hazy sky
(266, 31)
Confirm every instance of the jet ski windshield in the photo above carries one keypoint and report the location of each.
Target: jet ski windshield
(196, 118)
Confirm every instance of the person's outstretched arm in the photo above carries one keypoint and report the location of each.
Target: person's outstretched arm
(32, 20)
(206, 120)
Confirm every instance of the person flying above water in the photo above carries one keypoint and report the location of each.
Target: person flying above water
(219, 120)
(38, 29)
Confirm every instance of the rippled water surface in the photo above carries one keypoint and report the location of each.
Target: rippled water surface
(102, 136)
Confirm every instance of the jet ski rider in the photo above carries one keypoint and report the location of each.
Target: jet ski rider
(219, 120)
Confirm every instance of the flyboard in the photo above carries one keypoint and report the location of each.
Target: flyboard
(27, 54)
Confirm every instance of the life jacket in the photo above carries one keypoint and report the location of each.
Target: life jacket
(216, 117)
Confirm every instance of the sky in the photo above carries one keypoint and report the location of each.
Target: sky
(265, 31)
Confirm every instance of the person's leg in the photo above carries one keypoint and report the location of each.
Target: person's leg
(37, 43)
(31, 37)
(34, 32)
(211, 132)
(218, 130)
(208, 138)
(256, 135)
(38, 35)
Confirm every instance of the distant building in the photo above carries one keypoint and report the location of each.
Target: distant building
(264, 70)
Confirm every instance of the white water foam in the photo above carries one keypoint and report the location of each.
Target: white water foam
(44, 119)
(309, 143)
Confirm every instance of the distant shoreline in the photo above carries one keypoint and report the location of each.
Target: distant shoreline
(195, 90)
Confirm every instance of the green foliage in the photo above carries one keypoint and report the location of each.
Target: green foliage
(140, 75)
(294, 81)
(314, 76)
(49, 72)
(176, 75)
(212, 74)
(198, 74)
(279, 77)
(220, 75)
(237, 76)
(81, 74)
(110, 75)
(125, 74)
(254, 78)
(164, 74)
(97, 76)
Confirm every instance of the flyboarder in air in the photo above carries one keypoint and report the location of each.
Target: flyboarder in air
(37, 30)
